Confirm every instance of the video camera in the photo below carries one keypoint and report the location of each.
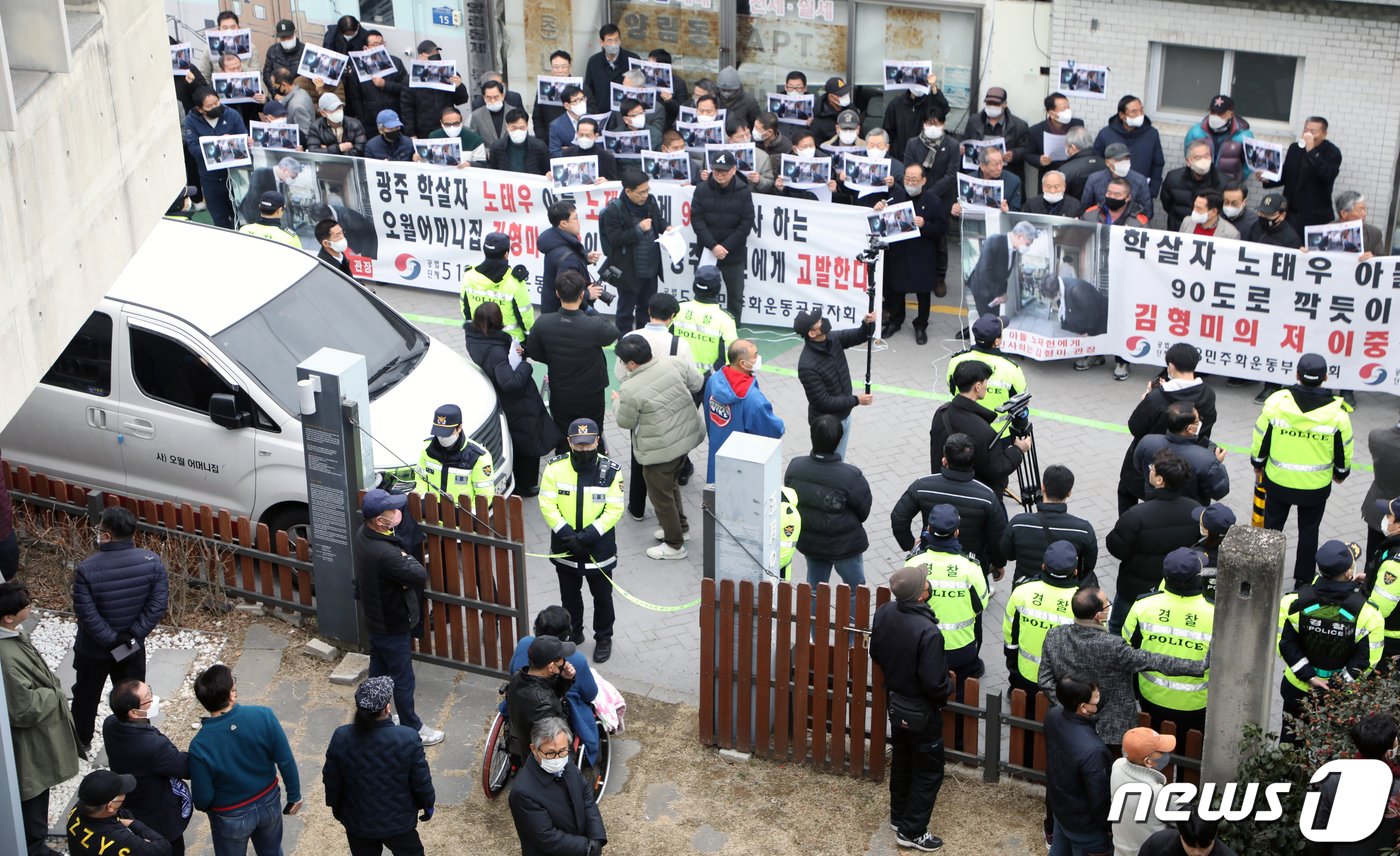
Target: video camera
(609, 275)
(1017, 410)
(872, 251)
(1018, 413)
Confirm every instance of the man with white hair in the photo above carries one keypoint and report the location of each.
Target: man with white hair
(995, 266)
(551, 802)
(1351, 206)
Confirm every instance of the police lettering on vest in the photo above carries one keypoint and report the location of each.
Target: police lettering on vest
(1178, 625)
(1302, 449)
(708, 329)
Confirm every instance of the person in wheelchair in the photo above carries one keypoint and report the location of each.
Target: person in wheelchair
(537, 690)
(554, 621)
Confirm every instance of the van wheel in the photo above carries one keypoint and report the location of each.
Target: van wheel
(296, 520)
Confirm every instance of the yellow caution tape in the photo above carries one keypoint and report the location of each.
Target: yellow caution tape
(622, 591)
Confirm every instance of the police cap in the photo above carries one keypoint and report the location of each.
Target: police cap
(1312, 368)
(987, 329)
(1334, 559)
(943, 521)
(496, 245)
(707, 282)
(1061, 559)
(446, 419)
(1183, 564)
(1215, 518)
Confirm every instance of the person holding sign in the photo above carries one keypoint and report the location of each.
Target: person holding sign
(422, 107)
(907, 263)
(904, 114)
(629, 227)
(996, 120)
(212, 119)
(1309, 172)
(209, 63)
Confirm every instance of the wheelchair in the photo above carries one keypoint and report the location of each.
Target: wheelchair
(498, 765)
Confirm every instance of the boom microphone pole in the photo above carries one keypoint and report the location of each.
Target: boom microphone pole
(869, 256)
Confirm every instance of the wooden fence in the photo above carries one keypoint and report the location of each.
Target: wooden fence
(476, 603)
(788, 683)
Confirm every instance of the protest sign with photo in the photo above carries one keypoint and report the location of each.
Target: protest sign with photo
(791, 109)
(229, 41)
(1083, 81)
(865, 174)
(438, 152)
(372, 63)
(907, 73)
(744, 157)
(627, 144)
(1264, 158)
(327, 65)
(433, 74)
(577, 173)
(893, 223)
(667, 166)
(805, 173)
(980, 192)
(225, 152)
(237, 87)
(658, 74)
(644, 95)
(550, 90)
(275, 135)
(181, 59)
(697, 135)
(971, 150)
(1335, 237)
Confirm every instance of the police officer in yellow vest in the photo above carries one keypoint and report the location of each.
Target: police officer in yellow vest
(1385, 575)
(1326, 631)
(494, 281)
(959, 592)
(1007, 379)
(789, 529)
(1176, 621)
(269, 224)
(581, 501)
(707, 327)
(1034, 607)
(1302, 443)
(453, 466)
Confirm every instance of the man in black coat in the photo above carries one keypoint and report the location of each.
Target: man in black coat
(367, 98)
(1057, 123)
(1146, 533)
(1309, 173)
(331, 237)
(833, 500)
(1077, 784)
(907, 263)
(996, 267)
(980, 512)
(571, 343)
(421, 108)
(391, 584)
(119, 596)
(1150, 415)
(904, 114)
(996, 458)
(1028, 534)
(516, 150)
(537, 690)
(721, 213)
(1082, 162)
(824, 373)
(284, 53)
(1182, 185)
(605, 68)
(907, 646)
(137, 748)
(562, 251)
(552, 804)
(996, 120)
(629, 227)
(1271, 226)
(376, 777)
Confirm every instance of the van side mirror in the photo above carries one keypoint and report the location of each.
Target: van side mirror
(223, 410)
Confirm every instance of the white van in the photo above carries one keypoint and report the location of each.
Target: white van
(181, 385)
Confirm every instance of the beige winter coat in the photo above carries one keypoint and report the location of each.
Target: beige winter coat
(655, 404)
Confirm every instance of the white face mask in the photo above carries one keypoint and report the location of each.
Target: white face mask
(1134, 121)
(1200, 166)
(1053, 198)
(578, 108)
(844, 100)
(450, 439)
(452, 130)
(757, 364)
(496, 106)
(1199, 217)
(276, 120)
(846, 137)
(637, 122)
(993, 112)
(288, 44)
(339, 246)
(1194, 428)
(154, 710)
(518, 136)
(1064, 116)
(759, 136)
(877, 153)
(584, 143)
(1122, 168)
(336, 117)
(1216, 122)
(913, 189)
(553, 766)
(933, 133)
(919, 91)
(804, 152)
(1233, 211)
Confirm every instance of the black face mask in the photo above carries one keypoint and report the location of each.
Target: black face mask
(826, 327)
(216, 113)
(391, 136)
(437, 57)
(583, 459)
(1114, 204)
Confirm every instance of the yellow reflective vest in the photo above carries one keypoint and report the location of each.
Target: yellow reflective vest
(709, 330)
(511, 294)
(1385, 597)
(1007, 378)
(1302, 449)
(1034, 607)
(959, 595)
(589, 504)
(267, 230)
(465, 472)
(1176, 625)
(1321, 639)
(789, 529)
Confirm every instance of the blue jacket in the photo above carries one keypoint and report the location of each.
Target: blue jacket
(1077, 775)
(195, 126)
(1226, 146)
(378, 148)
(1144, 149)
(161, 798)
(1097, 183)
(377, 779)
(119, 589)
(236, 757)
(561, 135)
(727, 411)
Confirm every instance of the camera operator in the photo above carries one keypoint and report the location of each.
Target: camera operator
(997, 457)
(563, 250)
(629, 226)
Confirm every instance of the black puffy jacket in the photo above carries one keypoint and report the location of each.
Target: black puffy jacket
(723, 215)
(833, 500)
(377, 779)
(1180, 188)
(826, 376)
(995, 457)
(365, 100)
(1150, 417)
(390, 581)
(907, 646)
(981, 514)
(1025, 540)
(530, 698)
(1078, 772)
(1145, 534)
(571, 343)
(119, 589)
(421, 109)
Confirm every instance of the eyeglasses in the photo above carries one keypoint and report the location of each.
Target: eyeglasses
(555, 753)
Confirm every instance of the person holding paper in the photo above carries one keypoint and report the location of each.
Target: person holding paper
(586, 145)
(995, 120)
(1045, 141)
(629, 228)
(212, 119)
(907, 263)
(421, 107)
(119, 596)
(904, 114)
(1310, 170)
(722, 215)
(208, 63)
(1133, 128)
(384, 92)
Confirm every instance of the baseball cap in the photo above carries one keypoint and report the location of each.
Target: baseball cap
(943, 521)
(803, 321)
(582, 430)
(987, 328)
(1334, 558)
(1183, 564)
(1116, 151)
(446, 419)
(271, 201)
(1272, 203)
(285, 27)
(273, 107)
(837, 86)
(102, 786)
(1389, 506)
(723, 161)
(329, 101)
(496, 245)
(1221, 104)
(907, 582)
(1061, 559)
(374, 693)
(1312, 368)
(378, 501)
(388, 119)
(848, 119)
(1138, 743)
(427, 46)
(546, 649)
(1215, 518)
(995, 95)
(707, 281)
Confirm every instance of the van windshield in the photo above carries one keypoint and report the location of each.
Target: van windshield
(322, 310)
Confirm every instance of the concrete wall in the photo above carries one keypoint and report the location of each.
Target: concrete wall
(93, 165)
(1347, 50)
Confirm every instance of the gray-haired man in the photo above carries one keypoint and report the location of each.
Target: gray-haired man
(551, 802)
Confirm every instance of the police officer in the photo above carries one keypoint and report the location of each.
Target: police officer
(581, 501)
(790, 529)
(1007, 379)
(1385, 576)
(1326, 631)
(1215, 520)
(453, 466)
(1033, 608)
(959, 591)
(1176, 621)
(495, 281)
(705, 325)
(1302, 443)
(269, 224)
